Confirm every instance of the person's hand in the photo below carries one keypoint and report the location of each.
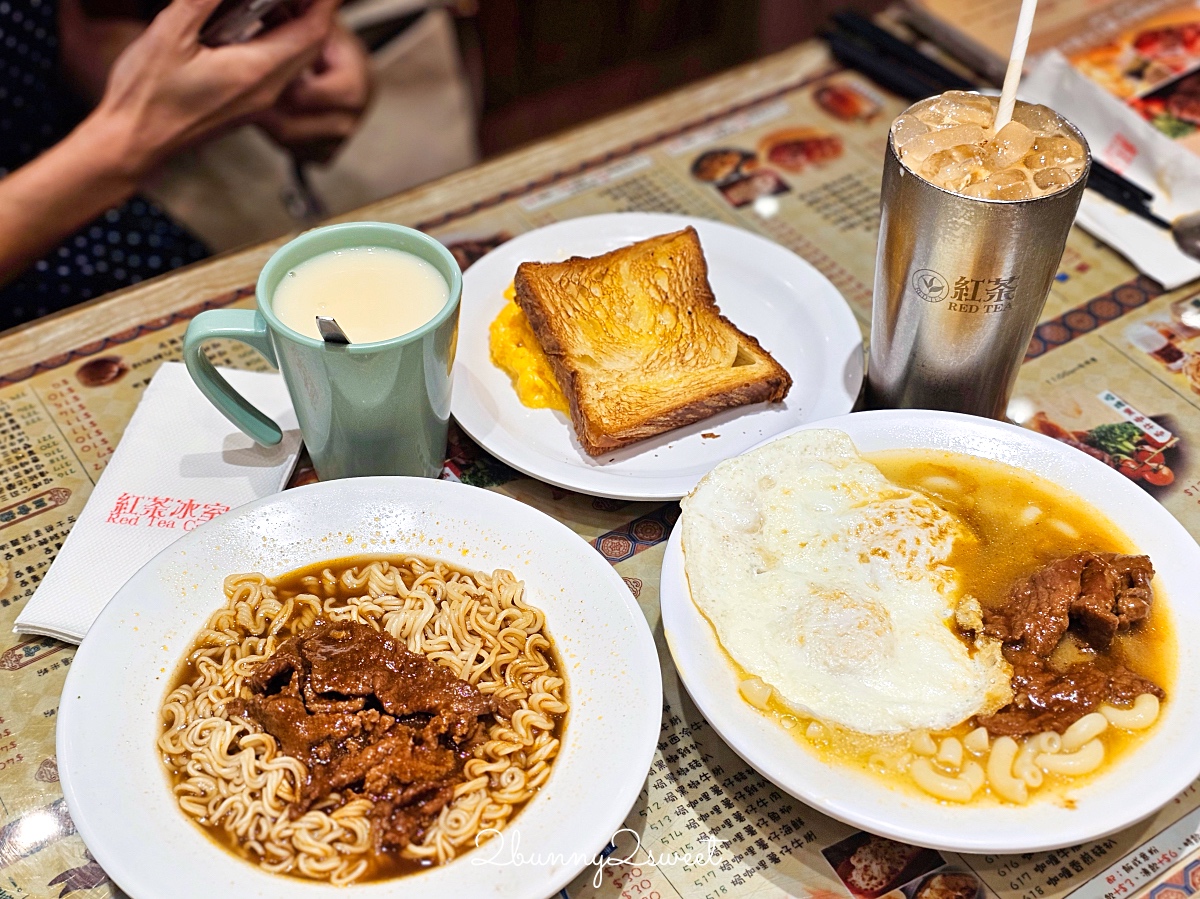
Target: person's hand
(322, 107)
(167, 90)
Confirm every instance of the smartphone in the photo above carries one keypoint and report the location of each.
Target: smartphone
(239, 20)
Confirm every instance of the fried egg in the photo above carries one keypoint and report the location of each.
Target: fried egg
(831, 584)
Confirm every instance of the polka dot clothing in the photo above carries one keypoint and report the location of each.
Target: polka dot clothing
(127, 244)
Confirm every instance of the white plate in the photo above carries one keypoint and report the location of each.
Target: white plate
(116, 786)
(1135, 787)
(766, 290)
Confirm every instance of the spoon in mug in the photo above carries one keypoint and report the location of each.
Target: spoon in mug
(331, 332)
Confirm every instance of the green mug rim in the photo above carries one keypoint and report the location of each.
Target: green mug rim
(365, 228)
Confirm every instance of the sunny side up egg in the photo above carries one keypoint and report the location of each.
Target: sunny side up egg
(830, 584)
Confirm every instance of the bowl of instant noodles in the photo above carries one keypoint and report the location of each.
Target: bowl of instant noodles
(376, 686)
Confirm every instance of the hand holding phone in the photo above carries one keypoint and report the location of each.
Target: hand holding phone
(235, 21)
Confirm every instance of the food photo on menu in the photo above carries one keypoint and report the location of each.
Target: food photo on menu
(780, 487)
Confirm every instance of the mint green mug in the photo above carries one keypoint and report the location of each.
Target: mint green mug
(364, 409)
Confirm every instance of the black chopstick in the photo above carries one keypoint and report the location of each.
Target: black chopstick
(890, 45)
(887, 74)
(905, 71)
(1101, 172)
(1138, 208)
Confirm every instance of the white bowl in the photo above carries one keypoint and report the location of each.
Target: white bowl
(116, 786)
(1131, 789)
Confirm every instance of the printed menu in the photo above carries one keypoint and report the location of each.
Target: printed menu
(802, 166)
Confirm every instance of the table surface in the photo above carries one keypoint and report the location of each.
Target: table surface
(69, 384)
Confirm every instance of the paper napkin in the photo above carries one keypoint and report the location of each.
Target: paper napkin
(179, 464)
(1128, 144)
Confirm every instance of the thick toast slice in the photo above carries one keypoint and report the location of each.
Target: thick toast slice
(638, 344)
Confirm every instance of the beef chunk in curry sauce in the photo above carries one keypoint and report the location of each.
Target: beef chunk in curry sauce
(1087, 598)
(369, 718)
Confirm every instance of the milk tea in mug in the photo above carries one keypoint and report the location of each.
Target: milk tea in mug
(374, 293)
(379, 405)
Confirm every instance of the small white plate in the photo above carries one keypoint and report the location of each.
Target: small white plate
(765, 289)
(117, 788)
(1132, 789)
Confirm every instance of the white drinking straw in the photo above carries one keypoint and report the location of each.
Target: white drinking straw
(1016, 61)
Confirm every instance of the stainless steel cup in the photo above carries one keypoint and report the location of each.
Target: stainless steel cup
(960, 284)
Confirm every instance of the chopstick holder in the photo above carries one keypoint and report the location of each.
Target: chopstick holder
(180, 463)
(1131, 146)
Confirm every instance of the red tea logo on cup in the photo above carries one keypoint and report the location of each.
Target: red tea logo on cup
(930, 286)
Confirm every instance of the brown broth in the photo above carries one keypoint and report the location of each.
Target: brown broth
(382, 865)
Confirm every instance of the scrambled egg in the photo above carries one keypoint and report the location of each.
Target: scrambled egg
(515, 348)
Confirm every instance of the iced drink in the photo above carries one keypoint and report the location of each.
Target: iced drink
(949, 141)
(968, 249)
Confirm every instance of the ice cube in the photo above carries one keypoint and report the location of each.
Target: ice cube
(1053, 179)
(1020, 191)
(980, 189)
(1074, 169)
(972, 115)
(1007, 178)
(921, 148)
(1011, 184)
(955, 168)
(1053, 151)
(905, 128)
(1041, 120)
(955, 101)
(922, 106)
(969, 98)
(955, 108)
(959, 107)
(1007, 185)
(1010, 144)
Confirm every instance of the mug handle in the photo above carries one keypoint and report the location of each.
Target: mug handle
(248, 326)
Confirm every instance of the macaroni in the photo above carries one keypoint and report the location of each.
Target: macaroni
(1142, 715)
(1065, 529)
(1029, 515)
(923, 744)
(1084, 730)
(977, 741)
(954, 789)
(1082, 761)
(756, 692)
(1049, 741)
(1024, 767)
(939, 483)
(1000, 768)
(950, 752)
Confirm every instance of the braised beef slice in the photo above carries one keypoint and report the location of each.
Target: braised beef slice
(346, 663)
(1114, 593)
(1038, 610)
(1095, 596)
(1100, 592)
(1124, 686)
(1045, 699)
(368, 717)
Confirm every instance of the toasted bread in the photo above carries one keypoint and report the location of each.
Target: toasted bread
(638, 344)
